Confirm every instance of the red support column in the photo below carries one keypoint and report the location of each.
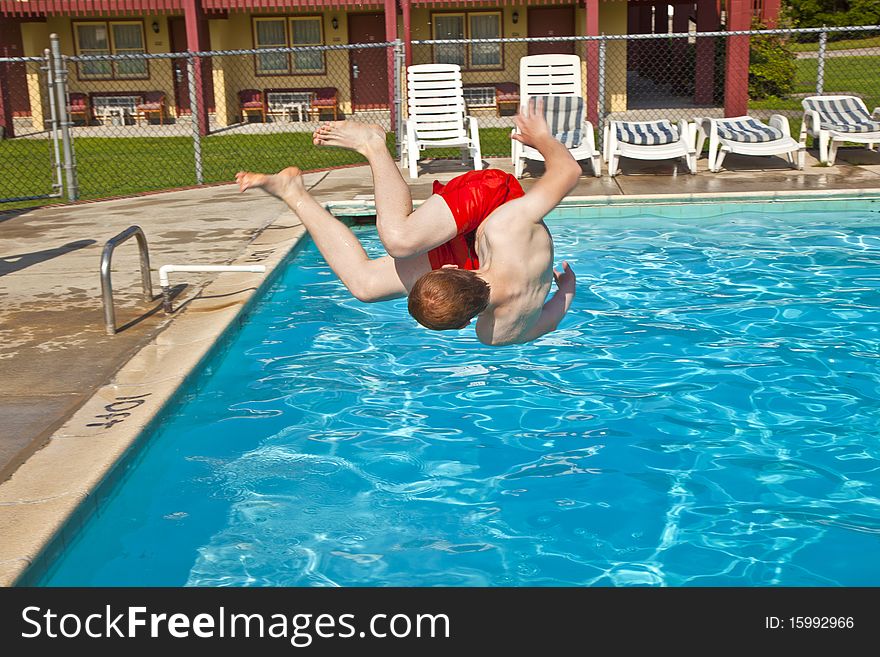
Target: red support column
(646, 19)
(592, 29)
(391, 35)
(407, 31)
(661, 18)
(770, 13)
(707, 21)
(197, 40)
(736, 68)
(6, 122)
(7, 49)
(680, 23)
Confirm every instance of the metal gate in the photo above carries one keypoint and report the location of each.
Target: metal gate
(30, 148)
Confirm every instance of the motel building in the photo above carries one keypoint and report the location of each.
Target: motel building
(346, 81)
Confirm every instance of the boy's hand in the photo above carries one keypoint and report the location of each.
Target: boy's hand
(565, 279)
(531, 125)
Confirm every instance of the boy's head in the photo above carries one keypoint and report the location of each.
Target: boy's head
(448, 298)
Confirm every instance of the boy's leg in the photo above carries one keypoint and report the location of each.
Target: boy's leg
(404, 232)
(368, 280)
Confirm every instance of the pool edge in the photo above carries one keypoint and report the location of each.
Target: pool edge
(46, 500)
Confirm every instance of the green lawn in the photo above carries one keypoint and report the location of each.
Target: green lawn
(850, 75)
(119, 166)
(843, 44)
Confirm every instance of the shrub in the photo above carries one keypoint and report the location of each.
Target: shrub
(771, 67)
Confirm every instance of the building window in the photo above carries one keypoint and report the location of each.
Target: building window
(271, 33)
(284, 33)
(485, 26)
(111, 38)
(449, 26)
(470, 25)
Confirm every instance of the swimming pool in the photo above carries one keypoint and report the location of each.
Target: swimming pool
(706, 415)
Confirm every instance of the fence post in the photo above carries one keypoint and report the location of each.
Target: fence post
(602, 110)
(820, 63)
(194, 114)
(58, 185)
(60, 78)
(399, 58)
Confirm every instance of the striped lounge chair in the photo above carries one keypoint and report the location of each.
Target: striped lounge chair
(747, 136)
(836, 119)
(556, 80)
(648, 140)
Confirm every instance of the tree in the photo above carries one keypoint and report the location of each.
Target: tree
(816, 13)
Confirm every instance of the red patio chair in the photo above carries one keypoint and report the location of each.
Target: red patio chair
(78, 103)
(324, 100)
(251, 100)
(153, 102)
(506, 93)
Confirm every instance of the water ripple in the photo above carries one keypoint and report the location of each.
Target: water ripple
(706, 415)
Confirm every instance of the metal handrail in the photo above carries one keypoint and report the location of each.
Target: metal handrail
(107, 286)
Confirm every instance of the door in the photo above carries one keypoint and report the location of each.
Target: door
(548, 22)
(368, 66)
(177, 29)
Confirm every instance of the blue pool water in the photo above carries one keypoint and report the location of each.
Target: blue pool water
(707, 414)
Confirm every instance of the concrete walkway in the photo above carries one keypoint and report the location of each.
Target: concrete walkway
(53, 350)
(848, 52)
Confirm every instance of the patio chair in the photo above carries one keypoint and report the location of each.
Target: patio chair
(153, 102)
(836, 119)
(747, 136)
(324, 100)
(557, 79)
(649, 140)
(251, 100)
(78, 104)
(435, 104)
(506, 94)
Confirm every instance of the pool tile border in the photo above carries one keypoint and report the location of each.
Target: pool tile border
(40, 515)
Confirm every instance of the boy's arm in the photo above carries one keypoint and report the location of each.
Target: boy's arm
(554, 310)
(561, 172)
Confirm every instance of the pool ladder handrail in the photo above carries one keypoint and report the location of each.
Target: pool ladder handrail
(106, 285)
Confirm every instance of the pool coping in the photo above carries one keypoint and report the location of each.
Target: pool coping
(365, 207)
(40, 515)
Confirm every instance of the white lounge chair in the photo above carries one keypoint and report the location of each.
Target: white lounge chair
(435, 104)
(836, 119)
(557, 78)
(747, 136)
(648, 140)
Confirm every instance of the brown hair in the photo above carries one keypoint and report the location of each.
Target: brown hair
(448, 298)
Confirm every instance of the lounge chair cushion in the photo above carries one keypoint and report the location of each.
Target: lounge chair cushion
(253, 104)
(647, 133)
(747, 130)
(565, 116)
(149, 106)
(842, 115)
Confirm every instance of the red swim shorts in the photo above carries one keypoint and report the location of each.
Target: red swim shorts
(472, 197)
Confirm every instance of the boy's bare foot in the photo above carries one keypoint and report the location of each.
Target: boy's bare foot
(350, 134)
(284, 184)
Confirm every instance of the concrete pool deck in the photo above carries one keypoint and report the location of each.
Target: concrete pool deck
(55, 357)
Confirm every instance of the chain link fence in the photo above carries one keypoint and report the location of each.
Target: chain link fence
(30, 151)
(643, 77)
(139, 123)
